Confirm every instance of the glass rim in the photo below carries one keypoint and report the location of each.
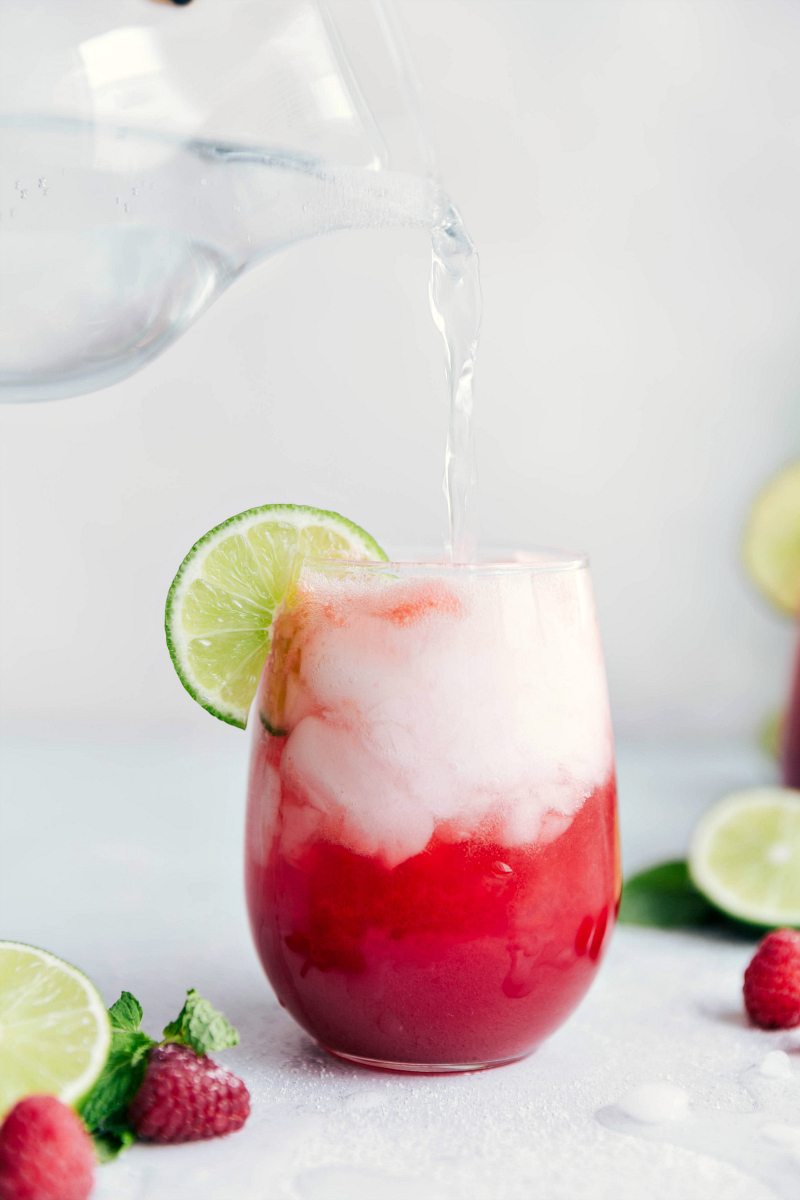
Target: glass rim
(490, 560)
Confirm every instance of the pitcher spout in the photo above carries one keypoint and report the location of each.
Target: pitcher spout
(279, 198)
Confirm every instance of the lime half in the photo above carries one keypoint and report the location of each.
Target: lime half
(745, 856)
(54, 1029)
(771, 546)
(222, 602)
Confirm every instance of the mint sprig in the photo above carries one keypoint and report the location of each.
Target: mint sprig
(109, 1144)
(126, 1013)
(105, 1110)
(201, 1026)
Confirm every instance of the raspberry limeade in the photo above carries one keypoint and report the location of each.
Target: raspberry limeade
(432, 862)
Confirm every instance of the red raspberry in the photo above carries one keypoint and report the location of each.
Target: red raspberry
(45, 1152)
(185, 1097)
(772, 981)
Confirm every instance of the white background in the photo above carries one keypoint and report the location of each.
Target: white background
(631, 175)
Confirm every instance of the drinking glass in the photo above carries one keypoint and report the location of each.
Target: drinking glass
(432, 860)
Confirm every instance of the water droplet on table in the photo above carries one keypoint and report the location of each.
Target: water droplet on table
(762, 1149)
(776, 1065)
(652, 1103)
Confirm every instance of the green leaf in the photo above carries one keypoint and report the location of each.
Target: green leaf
(126, 1013)
(665, 896)
(201, 1026)
(109, 1144)
(105, 1108)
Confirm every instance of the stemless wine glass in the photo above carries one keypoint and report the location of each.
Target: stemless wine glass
(432, 857)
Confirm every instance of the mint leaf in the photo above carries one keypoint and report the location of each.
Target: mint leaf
(105, 1108)
(108, 1145)
(201, 1026)
(126, 1013)
(664, 896)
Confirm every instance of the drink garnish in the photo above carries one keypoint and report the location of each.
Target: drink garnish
(743, 866)
(772, 981)
(744, 856)
(223, 600)
(128, 1100)
(55, 1029)
(771, 544)
(45, 1152)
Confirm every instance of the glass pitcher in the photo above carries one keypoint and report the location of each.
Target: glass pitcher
(150, 153)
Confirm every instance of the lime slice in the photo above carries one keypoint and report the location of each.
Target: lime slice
(222, 602)
(771, 545)
(745, 856)
(54, 1029)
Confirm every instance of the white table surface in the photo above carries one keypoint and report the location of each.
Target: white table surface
(121, 851)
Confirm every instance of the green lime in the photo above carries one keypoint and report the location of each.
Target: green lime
(745, 856)
(223, 600)
(771, 546)
(54, 1029)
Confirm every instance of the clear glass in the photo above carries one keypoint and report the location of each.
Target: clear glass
(432, 862)
(150, 153)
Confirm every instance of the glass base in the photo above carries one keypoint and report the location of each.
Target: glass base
(411, 1068)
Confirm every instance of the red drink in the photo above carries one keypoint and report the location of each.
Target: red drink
(467, 953)
(790, 734)
(427, 918)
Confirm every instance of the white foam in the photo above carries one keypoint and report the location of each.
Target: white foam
(419, 704)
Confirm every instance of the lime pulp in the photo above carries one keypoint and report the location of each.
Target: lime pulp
(54, 1028)
(745, 856)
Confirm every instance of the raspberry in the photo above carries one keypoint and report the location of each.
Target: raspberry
(772, 981)
(185, 1097)
(45, 1152)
